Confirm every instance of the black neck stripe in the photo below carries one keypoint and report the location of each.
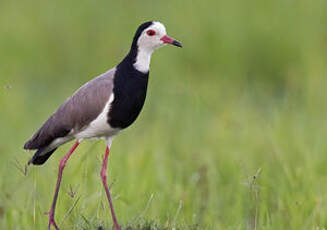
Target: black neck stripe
(130, 58)
(139, 32)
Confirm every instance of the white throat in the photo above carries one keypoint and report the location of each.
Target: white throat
(143, 58)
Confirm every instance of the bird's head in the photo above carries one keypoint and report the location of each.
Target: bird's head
(152, 35)
(148, 37)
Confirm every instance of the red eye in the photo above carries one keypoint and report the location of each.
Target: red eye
(151, 32)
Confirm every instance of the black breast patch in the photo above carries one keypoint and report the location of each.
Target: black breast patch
(130, 86)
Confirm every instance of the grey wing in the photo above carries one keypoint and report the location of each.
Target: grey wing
(77, 111)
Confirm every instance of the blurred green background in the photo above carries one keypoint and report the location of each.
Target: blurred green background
(232, 135)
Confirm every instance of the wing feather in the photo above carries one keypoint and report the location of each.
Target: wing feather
(76, 112)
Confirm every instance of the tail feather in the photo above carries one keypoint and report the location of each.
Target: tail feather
(39, 157)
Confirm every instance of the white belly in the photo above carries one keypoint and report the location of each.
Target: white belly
(99, 128)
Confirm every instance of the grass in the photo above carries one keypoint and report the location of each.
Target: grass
(232, 135)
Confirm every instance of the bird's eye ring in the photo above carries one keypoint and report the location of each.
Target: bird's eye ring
(151, 32)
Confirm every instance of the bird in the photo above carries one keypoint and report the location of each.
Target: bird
(101, 108)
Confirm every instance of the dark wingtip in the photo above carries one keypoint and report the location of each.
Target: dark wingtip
(26, 146)
(29, 145)
(38, 159)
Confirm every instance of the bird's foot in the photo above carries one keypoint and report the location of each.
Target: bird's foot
(52, 220)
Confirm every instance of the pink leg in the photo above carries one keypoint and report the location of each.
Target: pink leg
(105, 185)
(62, 165)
